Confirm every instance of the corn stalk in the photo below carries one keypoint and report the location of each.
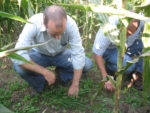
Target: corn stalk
(121, 51)
(146, 39)
(120, 43)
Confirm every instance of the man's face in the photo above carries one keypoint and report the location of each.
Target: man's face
(132, 27)
(55, 30)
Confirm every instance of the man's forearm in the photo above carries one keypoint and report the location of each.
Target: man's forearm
(76, 77)
(34, 67)
(48, 75)
(100, 63)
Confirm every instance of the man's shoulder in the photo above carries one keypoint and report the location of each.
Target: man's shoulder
(100, 33)
(71, 24)
(36, 18)
(70, 20)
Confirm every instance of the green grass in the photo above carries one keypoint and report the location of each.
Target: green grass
(16, 96)
(54, 97)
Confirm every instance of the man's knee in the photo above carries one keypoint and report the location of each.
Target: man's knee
(19, 70)
(35, 80)
(88, 65)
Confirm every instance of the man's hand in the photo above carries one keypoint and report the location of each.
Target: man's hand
(108, 85)
(73, 90)
(49, 76)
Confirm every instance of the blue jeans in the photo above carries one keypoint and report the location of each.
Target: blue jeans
(61, 61)
(110, 57)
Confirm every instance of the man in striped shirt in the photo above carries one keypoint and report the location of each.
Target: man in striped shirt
(59, 29)
(105, 51)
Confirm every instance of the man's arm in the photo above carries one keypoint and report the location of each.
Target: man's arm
(48, 75)
(74, 88)
(100, 63)
(77, 54)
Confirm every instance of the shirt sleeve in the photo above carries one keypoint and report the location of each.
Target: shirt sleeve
(75, 43)
(101, 43)
(25, 39)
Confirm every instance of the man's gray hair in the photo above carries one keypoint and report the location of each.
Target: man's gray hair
(56, 14)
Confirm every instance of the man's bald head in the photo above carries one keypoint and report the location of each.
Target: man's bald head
(56, 14)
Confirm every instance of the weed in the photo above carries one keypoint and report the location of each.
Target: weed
(5, 97)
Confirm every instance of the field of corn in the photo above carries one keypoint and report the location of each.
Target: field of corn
(16, 94)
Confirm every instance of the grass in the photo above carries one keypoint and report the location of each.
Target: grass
(54, 97)
(16, 97)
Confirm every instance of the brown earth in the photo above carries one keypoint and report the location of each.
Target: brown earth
(7, 75)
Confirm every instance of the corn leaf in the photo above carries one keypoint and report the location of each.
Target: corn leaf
(8, 46)
(10, 51)
(107, 10)
(146, 83)
(19, 3)
(30, 10)
(3, 109)
(18, 57)
(7, 15)
(129, 63)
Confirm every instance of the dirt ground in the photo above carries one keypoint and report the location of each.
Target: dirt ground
(8, 75)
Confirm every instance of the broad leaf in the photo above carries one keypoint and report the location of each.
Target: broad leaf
(7, 15)
(3, 109)
(8, 46)
(129, 63)
(18, 57)
(107, 10)
(30, 10)
(146, 83)
(19, 3)
(10, 51)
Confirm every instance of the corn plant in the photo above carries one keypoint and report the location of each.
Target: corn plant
(26, 8)
(120, 43)
(146, 7)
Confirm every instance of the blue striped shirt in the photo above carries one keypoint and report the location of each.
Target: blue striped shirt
(36, 33)
(102, 42)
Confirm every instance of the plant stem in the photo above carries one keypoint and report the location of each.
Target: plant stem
(121, 51)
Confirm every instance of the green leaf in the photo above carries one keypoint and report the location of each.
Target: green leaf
(18, 57)
(10, 51)
(19, 3)
(107, 10)
(3, 109)
(146, 35)
(146, 83)
(146, 54)
(8, 46)
(144, 4)
(7, 15)
(128, 64)
(99, 90)
(30, 10)
(112, 81)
